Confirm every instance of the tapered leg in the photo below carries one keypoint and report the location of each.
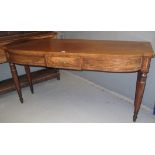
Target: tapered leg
(16, 80)
(28, 75)
(140, 87)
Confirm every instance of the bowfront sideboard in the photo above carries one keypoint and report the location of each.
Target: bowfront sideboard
(95, 55)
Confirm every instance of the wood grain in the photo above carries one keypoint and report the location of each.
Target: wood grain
(113, 64)
(64, 62)
(112, 56)
(79, 47)
(35, 60)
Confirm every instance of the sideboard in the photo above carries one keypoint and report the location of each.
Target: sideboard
(78, 54)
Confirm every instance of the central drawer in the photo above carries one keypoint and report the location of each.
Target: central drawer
(66, 62)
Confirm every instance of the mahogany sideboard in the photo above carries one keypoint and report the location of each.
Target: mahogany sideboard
(9, 37)
(95, 55)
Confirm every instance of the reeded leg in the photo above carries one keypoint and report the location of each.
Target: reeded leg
(28, 75)
(16, 80)
(140, 87)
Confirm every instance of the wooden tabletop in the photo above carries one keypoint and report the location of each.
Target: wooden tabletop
(84, 46)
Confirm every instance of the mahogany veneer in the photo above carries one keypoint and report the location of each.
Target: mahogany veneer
(96, 55)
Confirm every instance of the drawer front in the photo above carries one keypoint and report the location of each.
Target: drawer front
(27, 59)
(113, 64)
(64, 62)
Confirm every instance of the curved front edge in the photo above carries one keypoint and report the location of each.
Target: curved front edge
(24, 59)
(113, 64)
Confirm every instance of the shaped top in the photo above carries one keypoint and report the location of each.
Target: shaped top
(80, 46)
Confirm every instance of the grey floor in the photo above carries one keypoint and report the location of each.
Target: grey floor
(69, 100)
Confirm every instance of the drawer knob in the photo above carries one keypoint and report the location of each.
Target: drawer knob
(62, 61)
(63, 51)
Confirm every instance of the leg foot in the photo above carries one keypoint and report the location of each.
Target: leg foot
(135, 117)
(58, 77)
(21, 100)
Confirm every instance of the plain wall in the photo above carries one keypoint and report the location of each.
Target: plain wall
(121, 83)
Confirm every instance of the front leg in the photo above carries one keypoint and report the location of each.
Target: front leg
(140, 87)
(16, 80)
